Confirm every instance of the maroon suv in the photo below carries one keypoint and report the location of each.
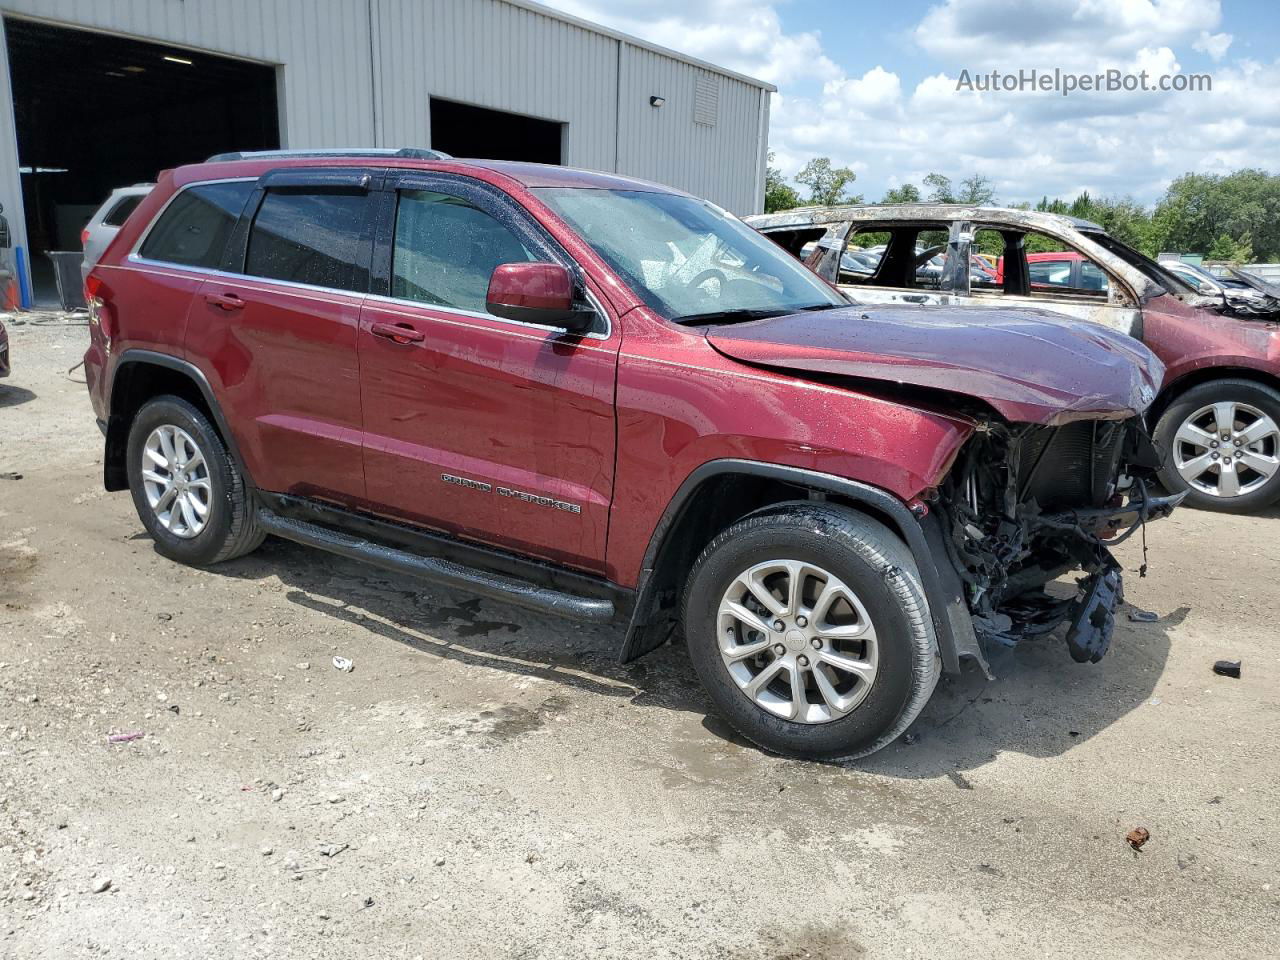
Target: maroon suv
(601, 398)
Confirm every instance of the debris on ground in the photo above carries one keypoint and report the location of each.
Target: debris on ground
(10, 475)
(101, 886)
(332, 849)
(1137, 837)
(125, 737)
(1227, 668)
(1142, 616)
(343, 664)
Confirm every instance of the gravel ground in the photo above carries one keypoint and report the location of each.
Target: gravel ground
(489, 783)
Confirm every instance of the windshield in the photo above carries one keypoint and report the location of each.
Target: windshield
(686, 258)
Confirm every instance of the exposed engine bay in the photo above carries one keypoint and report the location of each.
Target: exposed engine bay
(1027, 504)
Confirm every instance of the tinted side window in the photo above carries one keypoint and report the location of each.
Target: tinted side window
(194, 229)
(1056, 273)
(311, 237)
(120, 212)
(446, 250)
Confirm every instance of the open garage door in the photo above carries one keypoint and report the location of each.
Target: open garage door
(95, 112)
(482, 134)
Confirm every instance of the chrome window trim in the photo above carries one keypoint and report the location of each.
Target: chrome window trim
(136, 253)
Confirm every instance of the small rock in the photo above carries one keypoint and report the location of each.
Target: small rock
(277, 795)
(334, 798)
(101, 886)
(1137, 837)
(1227, 668)
(438, 861)
(304, 666)
(266, 851)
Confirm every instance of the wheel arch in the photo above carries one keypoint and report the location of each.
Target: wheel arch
(1173, 390)
(721, 492)
(138, 376)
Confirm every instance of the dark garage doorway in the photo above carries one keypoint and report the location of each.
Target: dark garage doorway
(95, 112)
(466, 131)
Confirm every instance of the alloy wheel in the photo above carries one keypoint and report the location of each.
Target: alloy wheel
(175, 478)
(1227, 449)
(797, 641)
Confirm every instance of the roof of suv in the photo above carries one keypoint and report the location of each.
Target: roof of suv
(526, 174)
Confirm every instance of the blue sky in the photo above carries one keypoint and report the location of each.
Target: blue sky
(873, 85)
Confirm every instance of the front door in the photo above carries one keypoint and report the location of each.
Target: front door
(494, 430)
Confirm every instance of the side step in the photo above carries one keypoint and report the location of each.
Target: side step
(444, 572)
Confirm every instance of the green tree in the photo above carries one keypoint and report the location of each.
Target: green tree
(1227, 250)
(939, 188)
(827, 184)
(1198, 210)
(976, 190)
(907, 193)
(778, 194)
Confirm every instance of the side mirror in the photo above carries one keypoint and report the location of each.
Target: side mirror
(540, 293)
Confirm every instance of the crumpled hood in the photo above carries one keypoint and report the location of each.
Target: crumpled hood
(1032, 366)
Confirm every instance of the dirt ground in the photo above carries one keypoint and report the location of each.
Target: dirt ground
(489, 783)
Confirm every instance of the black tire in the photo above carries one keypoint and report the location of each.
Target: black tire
(231, 529)
(1256, 395)
(879, 568)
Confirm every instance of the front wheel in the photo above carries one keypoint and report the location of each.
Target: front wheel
(1221, 443)
(809, 630)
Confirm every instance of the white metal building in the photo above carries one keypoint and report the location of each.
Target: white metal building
(99, 93)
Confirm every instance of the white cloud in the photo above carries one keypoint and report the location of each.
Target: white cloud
(865, 116)
(1214, 44)
(1061, 33)
(743, 35)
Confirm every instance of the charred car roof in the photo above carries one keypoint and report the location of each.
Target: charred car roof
(914, 212)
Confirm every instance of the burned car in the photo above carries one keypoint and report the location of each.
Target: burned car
(1216, 419)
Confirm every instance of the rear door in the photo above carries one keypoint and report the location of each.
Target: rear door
(494, 430)
(277, 329)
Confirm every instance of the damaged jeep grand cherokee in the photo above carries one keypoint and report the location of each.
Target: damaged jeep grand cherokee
(599, 398)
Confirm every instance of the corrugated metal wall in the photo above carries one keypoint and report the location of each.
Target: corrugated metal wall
(495, 55)
(357, 72)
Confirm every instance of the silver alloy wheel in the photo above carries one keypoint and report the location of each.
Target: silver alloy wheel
(797, 641)
(175, 479)
(1227, 449)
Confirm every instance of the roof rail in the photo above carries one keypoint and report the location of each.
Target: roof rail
(409, 153)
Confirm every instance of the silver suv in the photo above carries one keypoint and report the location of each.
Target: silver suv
(107, 221)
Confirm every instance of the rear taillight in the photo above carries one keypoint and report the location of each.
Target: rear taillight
(84, 237)
(100, 316)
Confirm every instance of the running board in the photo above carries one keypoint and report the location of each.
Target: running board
(444, 572)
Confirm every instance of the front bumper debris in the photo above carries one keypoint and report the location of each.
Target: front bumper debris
(1093, 615)
(1106, 522)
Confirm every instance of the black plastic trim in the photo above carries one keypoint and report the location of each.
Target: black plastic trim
(940, 600)
(446, 572)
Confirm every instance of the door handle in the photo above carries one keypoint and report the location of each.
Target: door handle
(227, 301)
(915, 298)
(398, 332)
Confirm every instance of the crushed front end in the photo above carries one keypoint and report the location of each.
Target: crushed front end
(1027, 504)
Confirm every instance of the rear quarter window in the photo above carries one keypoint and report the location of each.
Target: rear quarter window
(118, 214)
(194, 228)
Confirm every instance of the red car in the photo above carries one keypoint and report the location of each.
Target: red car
(597, 397)
(1217, 418)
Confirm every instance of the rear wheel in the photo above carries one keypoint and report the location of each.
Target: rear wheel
(810, 632)
(1221, 442)
(186, 488)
